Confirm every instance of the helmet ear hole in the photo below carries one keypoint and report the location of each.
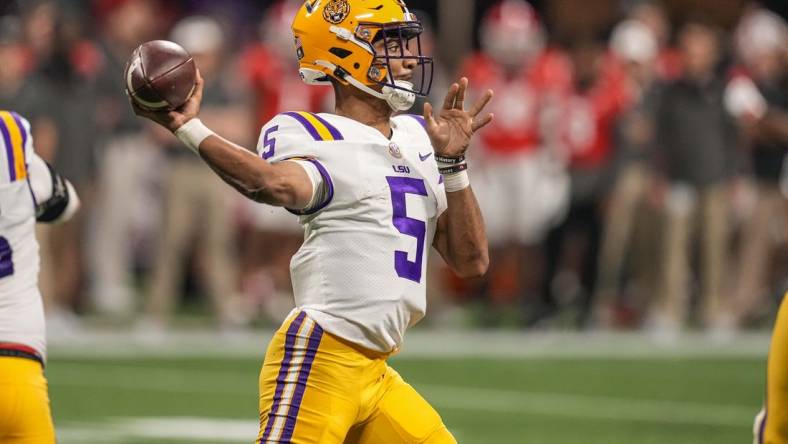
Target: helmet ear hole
(342, 53)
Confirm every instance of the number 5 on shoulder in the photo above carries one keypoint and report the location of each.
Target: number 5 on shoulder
(269, 143)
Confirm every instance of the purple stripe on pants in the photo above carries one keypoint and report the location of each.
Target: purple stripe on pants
(283, 370)
(763, 426)
(9, 150)
(303, 377)
(306, 124)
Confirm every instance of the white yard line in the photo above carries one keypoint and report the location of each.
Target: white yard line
(141, 429)
(205, 429)
(511, 402)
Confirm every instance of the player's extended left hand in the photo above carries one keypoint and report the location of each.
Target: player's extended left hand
(452, 129)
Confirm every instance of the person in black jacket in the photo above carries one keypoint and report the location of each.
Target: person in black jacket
(696, 143)
(761, 43)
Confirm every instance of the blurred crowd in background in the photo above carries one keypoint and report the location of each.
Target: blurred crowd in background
(634, 177)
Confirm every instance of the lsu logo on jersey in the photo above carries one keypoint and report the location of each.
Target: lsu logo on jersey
(336, 11)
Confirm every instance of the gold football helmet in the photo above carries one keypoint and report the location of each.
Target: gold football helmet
(335, 39)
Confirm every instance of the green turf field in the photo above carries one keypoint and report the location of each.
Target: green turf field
(545, 400)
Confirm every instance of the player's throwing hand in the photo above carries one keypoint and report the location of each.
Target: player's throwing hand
(453, 128)
(172, 120)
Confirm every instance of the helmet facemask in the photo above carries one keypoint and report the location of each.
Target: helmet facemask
(400, 94)
(405, 35)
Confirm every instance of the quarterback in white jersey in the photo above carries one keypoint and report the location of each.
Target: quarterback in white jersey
(361, 271)
(373, 192)
(30, 192)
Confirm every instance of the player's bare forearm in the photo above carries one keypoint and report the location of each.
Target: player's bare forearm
(285, 184)
(461, 238)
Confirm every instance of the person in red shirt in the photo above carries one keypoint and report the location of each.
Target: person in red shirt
(517, 151)
(588, 113)
(268, 65)
(598, 98)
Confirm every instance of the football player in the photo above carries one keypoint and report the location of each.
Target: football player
(30, 191)
(374, 191)
(771, 425)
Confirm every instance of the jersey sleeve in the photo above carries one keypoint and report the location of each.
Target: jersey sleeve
(28, 136)
(55, 198)
(16, 145)
(285, 138)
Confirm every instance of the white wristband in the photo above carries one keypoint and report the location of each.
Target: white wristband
(192, 133)
(456, 181)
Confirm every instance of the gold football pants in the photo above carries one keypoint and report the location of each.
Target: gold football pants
(316, 388)
(25, 417)
(772, 425)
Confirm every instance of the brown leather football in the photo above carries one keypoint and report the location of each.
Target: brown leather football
(160, 75)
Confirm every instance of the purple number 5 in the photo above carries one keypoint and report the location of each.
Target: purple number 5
(400, 187)
(269, 143)
(6, 262)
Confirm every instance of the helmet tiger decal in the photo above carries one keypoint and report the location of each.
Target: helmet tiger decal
(335, 39)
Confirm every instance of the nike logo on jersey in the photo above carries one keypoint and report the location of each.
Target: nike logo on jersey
(424, 157)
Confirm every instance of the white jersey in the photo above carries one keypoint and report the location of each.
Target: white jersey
(25, 182)
(361, 270)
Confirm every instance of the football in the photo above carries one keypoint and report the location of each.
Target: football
(160, 75)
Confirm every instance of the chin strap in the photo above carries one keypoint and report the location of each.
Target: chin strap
(398, 99)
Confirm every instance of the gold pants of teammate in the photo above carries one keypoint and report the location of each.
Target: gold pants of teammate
(316, 388)
(25, 417)
(771, 426)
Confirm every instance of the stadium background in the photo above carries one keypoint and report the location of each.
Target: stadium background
(148, 346)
